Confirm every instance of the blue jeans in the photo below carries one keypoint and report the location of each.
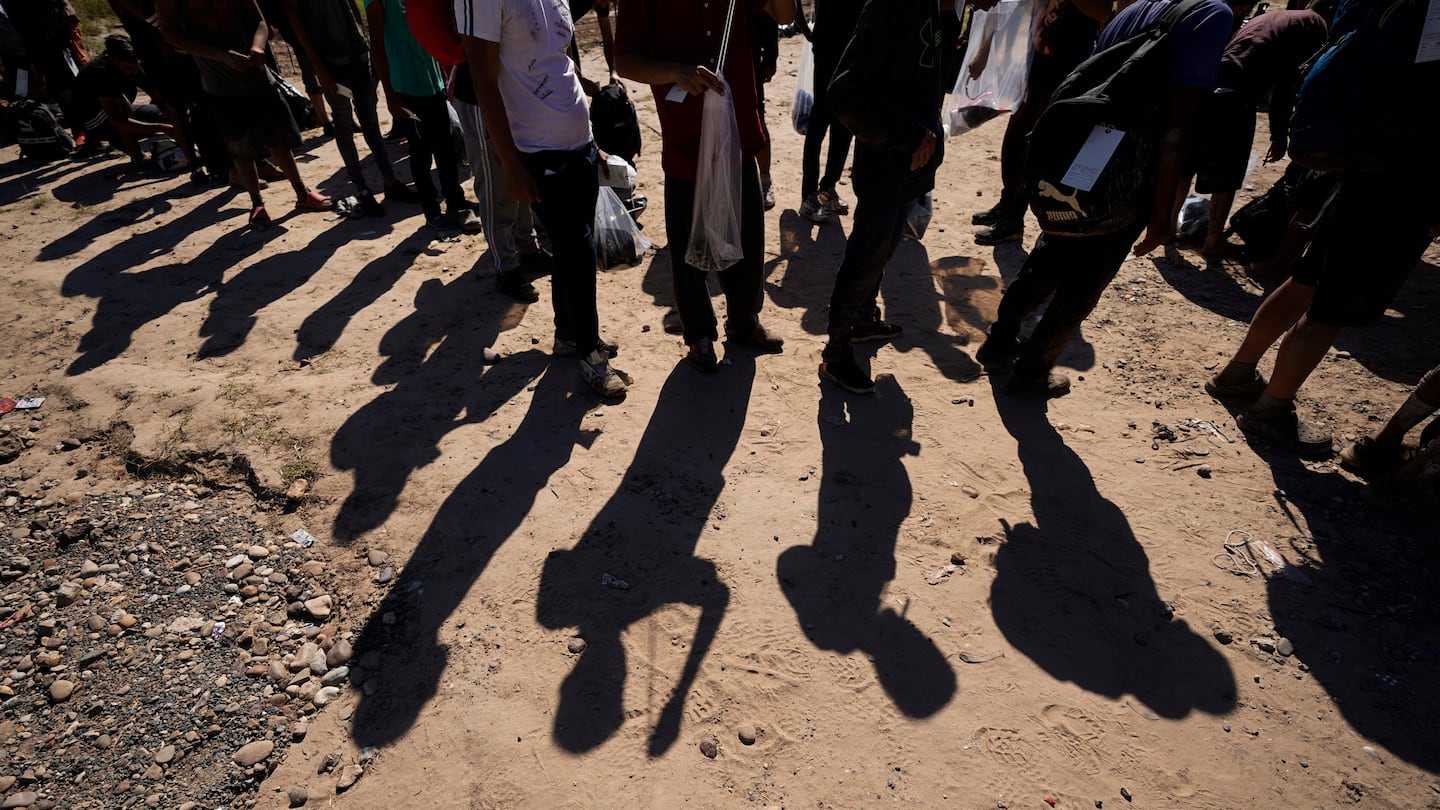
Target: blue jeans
(569, 185)
(874, 234)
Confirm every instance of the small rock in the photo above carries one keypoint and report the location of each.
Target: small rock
(970, 491)
(319, 607)
(328, 763)
(299, 730)
(165, 755)
(325, 695)
(253, 753)
(576, 646)
(956, 558)
(257, 552)
(298, 796)
(60, 691)
(1264, 644)
(336, 676)
(1204, 471)
(709, 748)
(1223, 636)
(1285, 647)
(298, 488)
(746, 733)
(22, 799)
(377, 558)
(349, 775)
(386, 574)
(339, 654)
(1125, 794)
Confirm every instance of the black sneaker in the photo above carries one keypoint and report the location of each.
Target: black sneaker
(370, 206)
(514, 284)
(996, 354)
(1047, 386)
(568, 348)
(998, 213)
(399, 192)
(702, 356)
(874, 330)
(840, 368)
(1286, 430)
(1000, 232)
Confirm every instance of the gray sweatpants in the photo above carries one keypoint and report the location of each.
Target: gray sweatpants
(500, 214)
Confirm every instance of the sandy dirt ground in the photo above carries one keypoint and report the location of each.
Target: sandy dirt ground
(934, 596)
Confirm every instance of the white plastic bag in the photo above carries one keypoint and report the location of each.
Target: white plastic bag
(992, 77)
(715, 227)
(917, 219)
(616, 172)
(618, 239)
(1194, 218)
(804, 90)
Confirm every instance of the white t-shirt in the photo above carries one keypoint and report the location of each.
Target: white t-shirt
(542, 95)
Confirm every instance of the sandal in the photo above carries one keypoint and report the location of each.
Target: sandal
(314, 201)
(1287, 431)
(259, 218)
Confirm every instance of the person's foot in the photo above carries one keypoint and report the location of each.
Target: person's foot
(1000, 232)
(1371, 458)
(568, 348)
(671, 322)
(514, 284)
(259, 218)
(1281, 426)
(767, 192)
(370, 206)
(874, 330)
(812, 209)
(832, 202)
(449, 221)
(396, 133)
(327, 129)
(602, 379)
(268, 170)
(469, 223)
(702, 356)
(1240, 382)
(757, 339)
(997, 353)
(838, 366)
(1047, 385)
(1221, 249)
(992, 215)
(199, 177)
(399, 192)
(313, 201)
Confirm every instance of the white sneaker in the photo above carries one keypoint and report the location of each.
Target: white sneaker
(832, 202)
(815, 211)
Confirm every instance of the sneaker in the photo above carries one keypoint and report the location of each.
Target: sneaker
(446, 222)
(327, 129)
(1048, 385)
(1245, 389)
(1371, 458)
(514, 284)
(874, 330)
(602, 379)
(839, 367)
(399, 192)
(767, 191)
(1002, 231)
(758, 339)
(998, 213)
(813, 210)
(702, 356)
(371, 206)
(469, 223)
(567, 348)
(996, 354)
(1286, 430)
(832, 202)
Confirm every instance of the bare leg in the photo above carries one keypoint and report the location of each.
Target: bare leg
(282, 157)
(1281, 310)
(1220, 204)
(250, 179)
(1301, 351)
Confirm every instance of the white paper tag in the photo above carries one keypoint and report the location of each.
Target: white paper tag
(1430, 35)
(677, 94)
(1093, 158)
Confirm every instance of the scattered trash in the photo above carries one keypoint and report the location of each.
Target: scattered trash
(1376, 754)
(1049, 801)
(970, 658)
(218, 631)
(7, 405)
(941, 575)
(614, 582)
(21, 404)
(303, 538)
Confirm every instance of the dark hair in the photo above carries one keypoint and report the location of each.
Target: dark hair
(118, 46)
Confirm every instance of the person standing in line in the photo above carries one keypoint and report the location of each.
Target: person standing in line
(674, 46)
(534, 109)
(835, 22)
(415, 93)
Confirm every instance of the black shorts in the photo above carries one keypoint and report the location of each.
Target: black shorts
(1374, 235)
(251, 124)
(1224, 148)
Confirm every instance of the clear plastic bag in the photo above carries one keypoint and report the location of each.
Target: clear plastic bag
(1194, 218)
(917, 219)
(804, 90)
(992, 77)
(618, 239)
(715, 227)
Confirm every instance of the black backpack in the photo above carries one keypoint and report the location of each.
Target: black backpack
(41, 135)
(617, 128)
(1124, 89)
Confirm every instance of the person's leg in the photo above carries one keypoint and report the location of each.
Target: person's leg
(435, 127)
(499, 212)
(814, 141)
(1280, 311)
(1006, 219)
(1038, 278)
(568, 186)
(419, 158)
(873, 238)
(345, 134)
(1420, 404)
(364, 87)
(692, 293)
(1220, 204)
(744, 282)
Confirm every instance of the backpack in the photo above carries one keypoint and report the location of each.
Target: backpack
(1117, 99)
(41, 135)
(617, 128)
(301, 109)
(1362, 99)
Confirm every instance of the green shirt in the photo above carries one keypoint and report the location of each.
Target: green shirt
(412, 70)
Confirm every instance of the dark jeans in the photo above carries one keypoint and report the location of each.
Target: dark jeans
(742, 282)
(1046, 74)
(874, 234)
(357, 76)
(821, 122)
(1077, 270)
(569, 185)
(428, 137)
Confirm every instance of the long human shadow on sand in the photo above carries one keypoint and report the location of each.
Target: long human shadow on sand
(811, 255)
(836, 583)
(645, 537)
(435, 358)
(399, 644)
(1073, 592)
